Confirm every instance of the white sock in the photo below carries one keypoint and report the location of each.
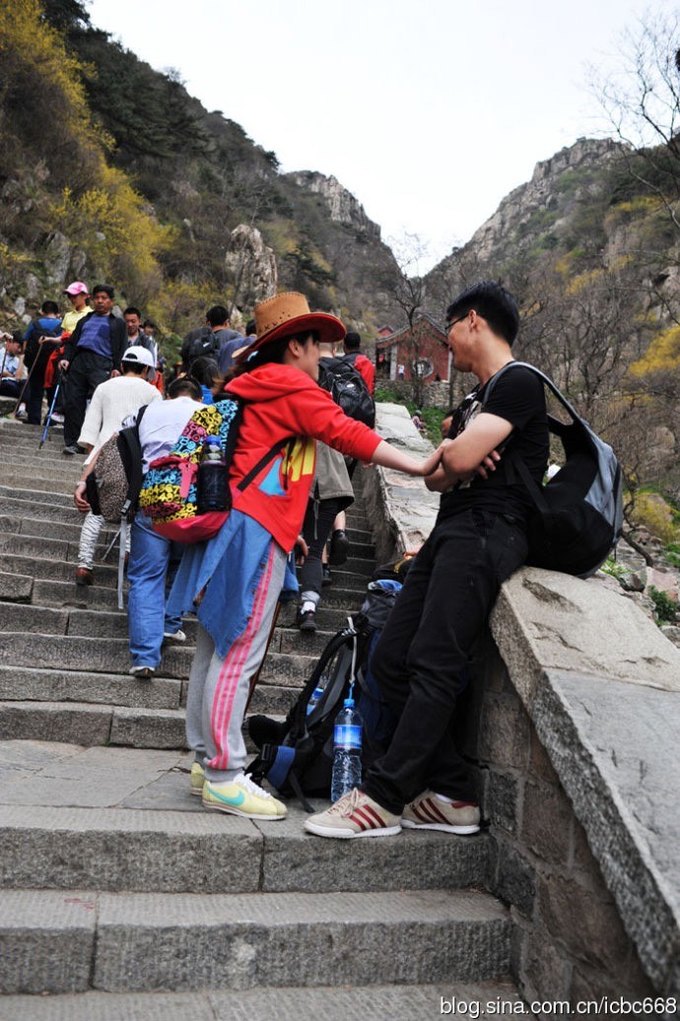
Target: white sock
(308, 605)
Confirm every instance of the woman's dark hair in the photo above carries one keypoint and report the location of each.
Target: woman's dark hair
(206, 371)
(272, 353)
(184, 385)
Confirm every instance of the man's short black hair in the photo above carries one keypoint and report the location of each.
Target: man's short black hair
(217, 315)
(50, 308)
(132, 311)
(491, 301)
(149, 322)
(137, 367)
(352, 341)
(105, 289)
(251, 328)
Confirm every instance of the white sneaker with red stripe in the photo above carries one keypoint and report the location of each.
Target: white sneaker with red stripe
(355, 815)
(432, 811)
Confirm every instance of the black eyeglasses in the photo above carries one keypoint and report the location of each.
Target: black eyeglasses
(449, 326)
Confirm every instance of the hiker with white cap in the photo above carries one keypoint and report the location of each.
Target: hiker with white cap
(112, 402)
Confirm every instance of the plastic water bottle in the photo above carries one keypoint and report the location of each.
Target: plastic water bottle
(212, 486)
(346, 751)
(314, 699)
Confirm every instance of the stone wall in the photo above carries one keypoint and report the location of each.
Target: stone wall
(569, 940)
(575, 729)
(435, 395)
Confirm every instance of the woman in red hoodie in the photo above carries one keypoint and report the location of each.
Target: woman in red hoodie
(235, 578)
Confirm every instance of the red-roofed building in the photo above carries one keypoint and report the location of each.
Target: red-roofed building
(421, 351)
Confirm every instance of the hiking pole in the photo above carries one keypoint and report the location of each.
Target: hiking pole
(48, 420)
(110, 546)
(23, 389)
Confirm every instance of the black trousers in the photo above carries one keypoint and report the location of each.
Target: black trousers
(421, 658)
(317, 526)
(34, 394)
(86, 371)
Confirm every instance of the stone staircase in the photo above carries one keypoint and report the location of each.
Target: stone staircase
(119, 896)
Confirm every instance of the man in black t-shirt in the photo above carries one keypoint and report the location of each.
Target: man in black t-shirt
(479, 539)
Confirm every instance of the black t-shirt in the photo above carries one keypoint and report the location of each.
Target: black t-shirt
(519, 398)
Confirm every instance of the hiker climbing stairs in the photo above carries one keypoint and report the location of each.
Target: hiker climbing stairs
(119, 895)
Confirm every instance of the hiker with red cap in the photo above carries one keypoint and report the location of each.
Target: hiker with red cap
(234, 580)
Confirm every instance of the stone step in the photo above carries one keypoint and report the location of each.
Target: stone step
(16, 588)
(356, 1003)
(22, 618)
(361, 544)
(54, 585)
(67, 593)
(32, 684)
(40, 496)
(59, 509)
(91, 654)
(90, 724)
(30, 462)
(41, 481)
(46, 568)
(36, 505)
(59, 549)
(69, 941)
(51, 651)
(135, 827)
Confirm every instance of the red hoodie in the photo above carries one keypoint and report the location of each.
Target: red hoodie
(285, 402)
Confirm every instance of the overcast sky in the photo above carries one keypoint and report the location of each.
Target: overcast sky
(429, 112)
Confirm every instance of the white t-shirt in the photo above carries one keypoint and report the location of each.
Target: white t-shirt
(112, 401)
(8, 363)
(162, 426)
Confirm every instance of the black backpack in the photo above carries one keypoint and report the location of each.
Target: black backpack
(348, 388)
(37, 352)
(296, 755)
(205, 346)
(578, 513)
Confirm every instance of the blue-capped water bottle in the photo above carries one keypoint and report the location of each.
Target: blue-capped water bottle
(346, 751)
(212, 484)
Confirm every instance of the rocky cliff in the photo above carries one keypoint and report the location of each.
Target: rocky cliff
(537, 217)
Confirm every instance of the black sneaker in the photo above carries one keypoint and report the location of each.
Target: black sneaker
(339, 548)
(307, 621)
(326, 576)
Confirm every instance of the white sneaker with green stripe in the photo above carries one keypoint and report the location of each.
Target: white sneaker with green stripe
(241, 796)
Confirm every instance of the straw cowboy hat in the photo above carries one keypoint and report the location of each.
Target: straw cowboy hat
(288, 314)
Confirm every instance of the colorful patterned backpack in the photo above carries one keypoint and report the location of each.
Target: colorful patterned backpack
(168, 494)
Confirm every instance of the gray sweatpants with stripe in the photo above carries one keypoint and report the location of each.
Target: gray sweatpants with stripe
(218, 686)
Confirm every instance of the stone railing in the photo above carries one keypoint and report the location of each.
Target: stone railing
(575, 730)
